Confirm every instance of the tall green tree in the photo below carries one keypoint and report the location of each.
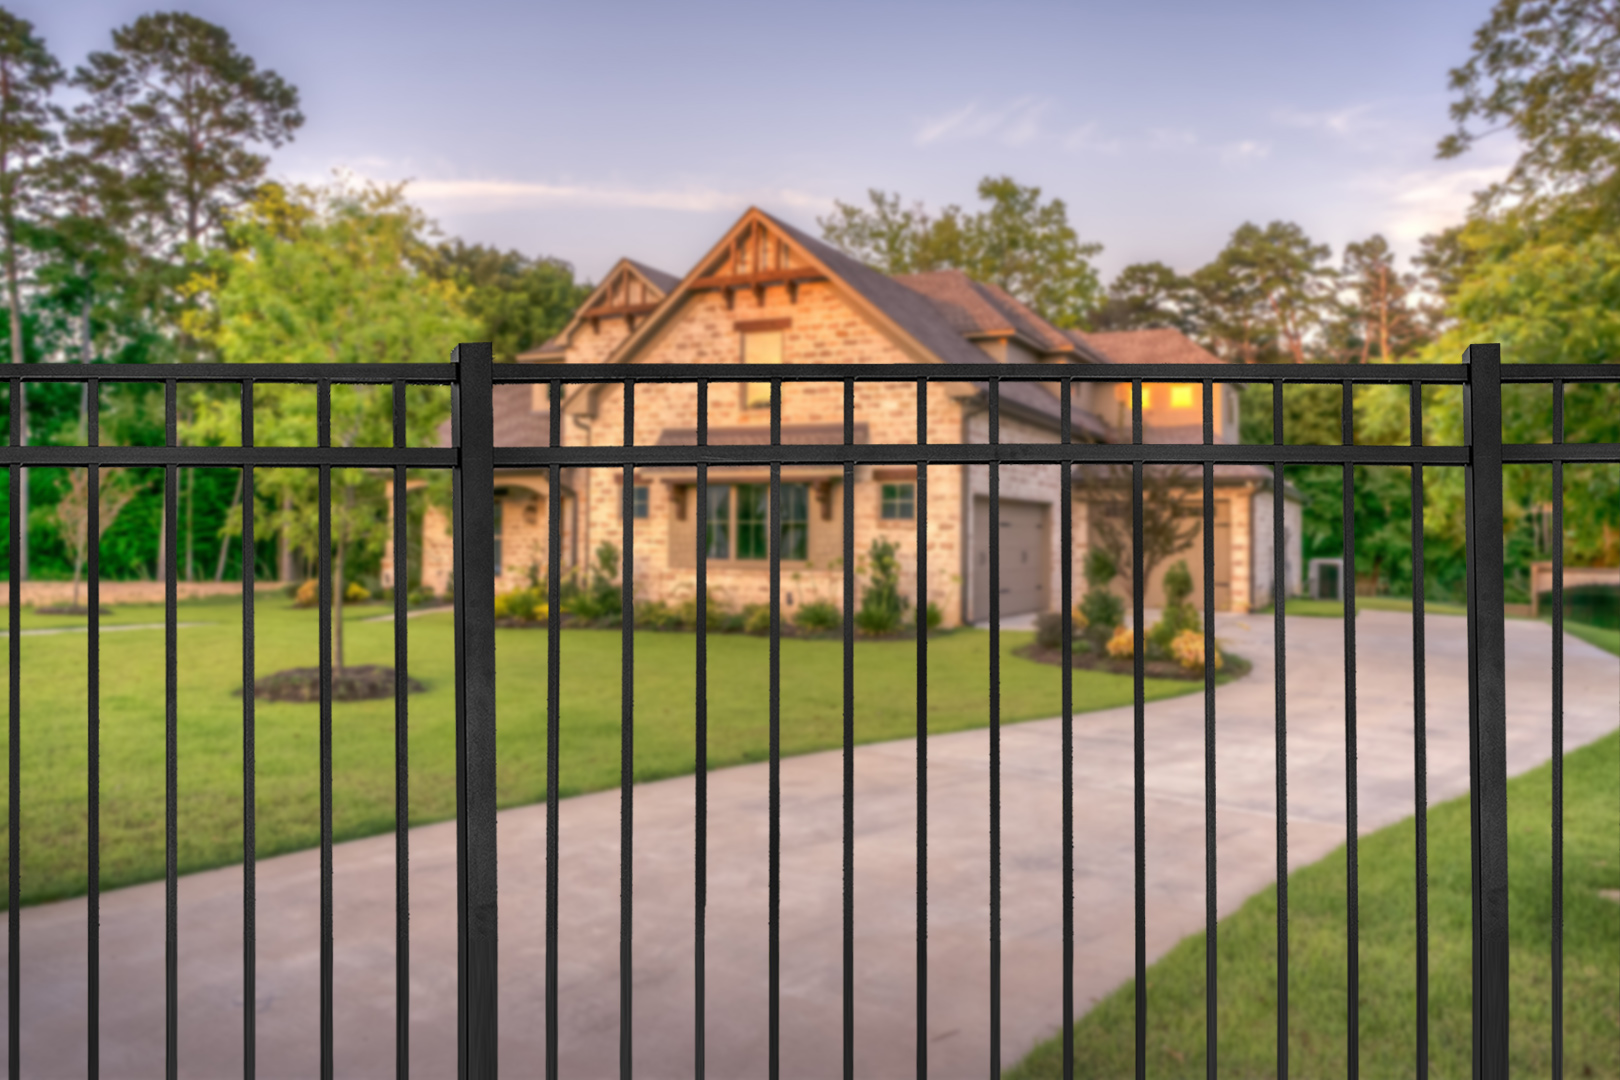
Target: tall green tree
(518, 301)
(1017, 241)
(1264, 297)
(185, 117)
(1379, 308)
(328, 275)
(1549, 72)
(29, 74)
(1147, 296)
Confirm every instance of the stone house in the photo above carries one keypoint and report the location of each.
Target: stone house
(767, 293)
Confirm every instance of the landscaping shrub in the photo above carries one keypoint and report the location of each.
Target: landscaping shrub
(934, 616)
(1049, 629)
(356, 593)
(756, 619)
(1179, 616)
(1122, 646)
(597, 596)
(1188, 650)
(1101, 608)
(882, 607)
(308, 594)
(1594, 605)
(818, 615)
(657, 615)
(714, 613)
(528, 604)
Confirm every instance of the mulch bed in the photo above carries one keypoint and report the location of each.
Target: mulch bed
(1233, 666)
(69, 609)
(367, 682)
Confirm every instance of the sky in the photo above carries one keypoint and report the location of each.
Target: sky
(590, 131)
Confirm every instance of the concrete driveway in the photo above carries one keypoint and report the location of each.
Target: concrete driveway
(210, 958)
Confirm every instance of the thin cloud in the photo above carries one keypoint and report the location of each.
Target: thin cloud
(1244, 151)
(1014, 124)
(1345, 122)
(499, 194)
(1423, 201)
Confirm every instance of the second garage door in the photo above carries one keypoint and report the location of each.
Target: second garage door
(1023, 557)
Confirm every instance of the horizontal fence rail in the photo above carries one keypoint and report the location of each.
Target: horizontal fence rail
(473, 458)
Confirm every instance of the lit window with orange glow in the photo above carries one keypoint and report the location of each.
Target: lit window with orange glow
(1181, 397)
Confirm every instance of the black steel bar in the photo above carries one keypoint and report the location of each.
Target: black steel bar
(994, 553)
(171, 763)
(1139, 751)
(284, 374)
(1211, 654)
(250, 842)
(849, 737)
(402, 754)
(700, 853)
(831, 455)
(627, 743)
(323, 413)
(1420, 742)
(477, 916)
(1302, 374)
(324, 500)
(1558, 740)
(508, 457)
(1279, 607)
(920, 509)
(93, 769)
(229, 457)
(1352, 837)
(14, 763)
(775, 809)
(1570, 453)
(1066, 688)
(554, 718)
(1487, 701)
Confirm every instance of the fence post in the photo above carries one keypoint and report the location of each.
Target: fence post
(473, 433)
(1487, 707)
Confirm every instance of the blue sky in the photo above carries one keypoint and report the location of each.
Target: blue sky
(590, 131)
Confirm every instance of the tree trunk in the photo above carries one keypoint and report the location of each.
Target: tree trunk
(191, 520)
(285, 554)
(1383, 314)
(225, 540)
(338, 584)
(78, 564)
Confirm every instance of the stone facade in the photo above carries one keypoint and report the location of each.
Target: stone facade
(811, 305)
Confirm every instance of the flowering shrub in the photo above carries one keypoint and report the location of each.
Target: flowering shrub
(1122, 646)
(1188, 649)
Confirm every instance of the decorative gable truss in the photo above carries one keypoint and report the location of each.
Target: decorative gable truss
(755, 257)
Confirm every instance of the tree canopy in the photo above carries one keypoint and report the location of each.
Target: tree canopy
(1017, 241)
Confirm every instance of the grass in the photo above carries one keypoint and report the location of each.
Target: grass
(1246, 950)
(54, 745)
(1606, 638)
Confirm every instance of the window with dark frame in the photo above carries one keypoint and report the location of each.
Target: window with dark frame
(640, 501)
(739, 521)
(899, 502)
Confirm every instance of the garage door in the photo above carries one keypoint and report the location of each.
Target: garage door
(1023, 557)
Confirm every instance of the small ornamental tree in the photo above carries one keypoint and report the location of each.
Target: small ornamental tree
(1179, 615)
(1103, 609)
(73, 513)
(324, 275)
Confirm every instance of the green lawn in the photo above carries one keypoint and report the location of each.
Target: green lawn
(1246, 950)
(54, 745)
(1603, 637)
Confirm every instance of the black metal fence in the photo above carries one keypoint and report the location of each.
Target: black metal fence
(473, 461)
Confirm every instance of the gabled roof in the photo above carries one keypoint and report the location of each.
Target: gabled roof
(1165, 346)
(977, 310)
(606, 301)
(516, 422)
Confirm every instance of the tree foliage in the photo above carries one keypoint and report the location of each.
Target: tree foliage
(28, 76)
(328, 275)
(518, 301)
(1017, 241)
